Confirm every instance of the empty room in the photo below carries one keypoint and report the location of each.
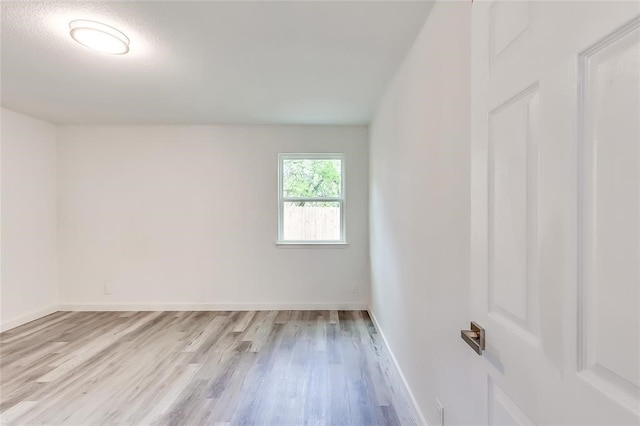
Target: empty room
(341, 212)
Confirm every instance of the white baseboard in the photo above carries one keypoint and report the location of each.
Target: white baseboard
(395, 362)
(213, 306)
(16, 322)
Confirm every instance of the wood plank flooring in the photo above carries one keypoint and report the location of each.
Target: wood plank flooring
(289, 368)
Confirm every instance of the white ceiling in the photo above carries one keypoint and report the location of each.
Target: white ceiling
(198, 62)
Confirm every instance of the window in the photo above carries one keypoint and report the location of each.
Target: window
(311, 199)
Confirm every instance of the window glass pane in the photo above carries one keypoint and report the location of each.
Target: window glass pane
(308, 221)
(312, 178)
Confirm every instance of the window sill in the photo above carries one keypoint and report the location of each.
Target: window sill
(311, 244)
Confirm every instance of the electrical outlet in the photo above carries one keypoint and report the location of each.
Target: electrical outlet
(355, 288)
(440, 412)
(106, 289)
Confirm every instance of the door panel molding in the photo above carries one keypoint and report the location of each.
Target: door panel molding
(508, 21)
(512, 214)
(608, 325)
(502, 409)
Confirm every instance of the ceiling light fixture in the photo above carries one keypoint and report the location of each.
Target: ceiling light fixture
(100, 37)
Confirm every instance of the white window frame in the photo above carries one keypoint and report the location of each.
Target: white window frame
(282, 199)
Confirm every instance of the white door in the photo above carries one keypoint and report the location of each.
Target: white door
(555, 259)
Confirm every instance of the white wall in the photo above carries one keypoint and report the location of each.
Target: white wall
(28, 283)
(160, 216)
(419, 201)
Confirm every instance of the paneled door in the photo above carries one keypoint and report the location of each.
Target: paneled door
(555, 228)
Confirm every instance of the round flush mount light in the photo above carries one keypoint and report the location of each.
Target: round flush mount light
(100, 37)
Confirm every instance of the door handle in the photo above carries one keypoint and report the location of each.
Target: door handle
(474, 337)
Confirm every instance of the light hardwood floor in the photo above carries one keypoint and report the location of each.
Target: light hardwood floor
(286, 368)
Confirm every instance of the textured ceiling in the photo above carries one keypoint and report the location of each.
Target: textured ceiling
(206, 62)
